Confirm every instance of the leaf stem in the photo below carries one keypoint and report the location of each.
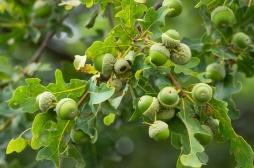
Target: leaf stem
(83, 97)
(22, 133)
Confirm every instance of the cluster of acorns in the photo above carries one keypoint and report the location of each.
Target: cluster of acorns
(107, 64)
(223, 16)
(163, 107)
(66, 109)
(170, 48)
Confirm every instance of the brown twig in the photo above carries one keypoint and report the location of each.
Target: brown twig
(38, 53)
(36, 56)
(176, 83)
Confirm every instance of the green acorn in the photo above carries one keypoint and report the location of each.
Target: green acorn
(148, 106)
(159, 54)
(171, 38)
(67, 109)
(182, 55)
(215, 71)
(222, 16)
(175, 5)
(241, 40)
(168, 97)
(46, 101)
(205, 139)
(166, 114)
(122, 66)
(159, 130)
(105, 64)
(202, 93)
(79, 137)
(42, 9)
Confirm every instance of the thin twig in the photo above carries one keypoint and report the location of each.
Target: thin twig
(110, 16)
(36, 56)
(6, 124)
(38, 53)
(176, 83)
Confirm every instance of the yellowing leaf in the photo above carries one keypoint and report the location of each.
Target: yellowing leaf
(89, 69)
(16, 145)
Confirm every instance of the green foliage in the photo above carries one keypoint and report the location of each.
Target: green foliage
(100, 103)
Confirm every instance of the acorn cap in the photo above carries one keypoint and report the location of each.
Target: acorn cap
(46, 101)
(122, 66)
(222, 16)
(202, 93)
(215, 71)
(67, 109)
(148, 106)
(173, 4)
(166, 114)
(168, 97)
(171, 38)
(241, 40)
(182, 55)
(130, 56)
(160, 48)
(159, 130)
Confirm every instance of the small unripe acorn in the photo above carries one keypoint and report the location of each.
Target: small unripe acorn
(166, 114)
(222, 16)
(175, 5)
(168, 97)
(205, 139)
(105, 64)
(122, 66)
(148, 106)
(159, 54)
(46, 101)
(215, 71)
(171, 38)
(67, 109)
(42, 8)
(241, 40)
(159, 130)
(182, 55)
(79, 137)
(202, 93)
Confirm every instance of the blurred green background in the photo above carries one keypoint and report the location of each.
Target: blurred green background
(146, 152)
